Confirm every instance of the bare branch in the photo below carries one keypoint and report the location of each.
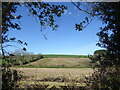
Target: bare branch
(92, 14)
(88, 23)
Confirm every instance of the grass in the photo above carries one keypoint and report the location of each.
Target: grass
(65, 56)
(56, 70)
(50, 85)
(55, 74)
(49, 77)
(33, 58)
(0, 61)
(46, 67)
(60, 63)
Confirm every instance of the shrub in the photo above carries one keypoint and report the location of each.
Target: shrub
(9, 76)
(106, 78)
(26, 61)
(17, 62)
(99, 52)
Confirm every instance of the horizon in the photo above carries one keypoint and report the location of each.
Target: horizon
(61, 54)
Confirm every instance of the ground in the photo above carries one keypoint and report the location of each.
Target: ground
(41, 73)
(57, 71)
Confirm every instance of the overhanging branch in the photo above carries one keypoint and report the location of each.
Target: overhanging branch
(92, 14)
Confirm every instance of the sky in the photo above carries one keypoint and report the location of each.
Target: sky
(65, 40)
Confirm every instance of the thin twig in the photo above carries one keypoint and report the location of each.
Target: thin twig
(88, 23)
(92, 14)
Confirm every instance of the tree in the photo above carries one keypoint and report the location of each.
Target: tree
(45, 14)
(109, 38)
(109, 35)
(43, 11)
(97, 58)
(99, 52)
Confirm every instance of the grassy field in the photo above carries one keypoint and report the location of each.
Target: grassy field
(54, 76)
(49, 77)
(65, 56)
(60, 63)
(55, 70)
(31, 58)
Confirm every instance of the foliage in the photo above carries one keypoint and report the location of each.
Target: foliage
(100, 52)
(8, 10)
(109, 37)
(10, 78)
(98, 59)
(43, 11)
(108, 79)
(109, 34)
(20, 59)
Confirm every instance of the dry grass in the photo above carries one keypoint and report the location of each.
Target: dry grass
(44, 77)
(41, 73)
(56, 75)
(61, 62)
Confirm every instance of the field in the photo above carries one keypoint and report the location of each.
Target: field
(42, 73)
(61, 63)
(53, 76)
(65, 56)
(55, 70)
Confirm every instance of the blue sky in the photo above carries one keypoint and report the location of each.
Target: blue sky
(65, 40)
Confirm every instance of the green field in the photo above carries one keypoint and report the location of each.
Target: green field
(65, 56)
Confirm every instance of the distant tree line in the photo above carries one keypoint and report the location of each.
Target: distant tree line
(20, 57)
